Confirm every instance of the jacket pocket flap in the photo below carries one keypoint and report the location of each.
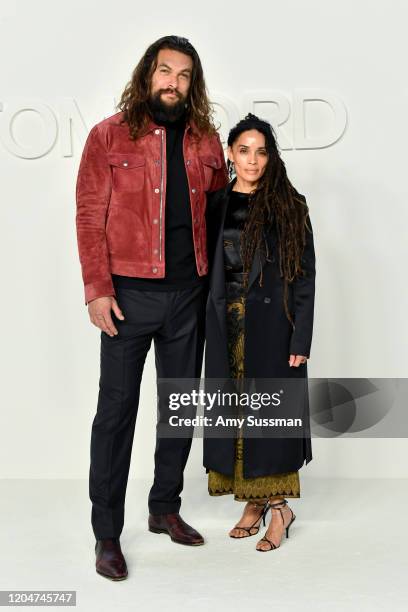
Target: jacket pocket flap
(126, 160)
(211, 160)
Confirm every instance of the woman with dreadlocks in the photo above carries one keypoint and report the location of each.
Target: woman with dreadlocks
(259, 322)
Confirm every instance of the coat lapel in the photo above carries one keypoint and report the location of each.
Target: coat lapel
(217, 282)
(258, 263)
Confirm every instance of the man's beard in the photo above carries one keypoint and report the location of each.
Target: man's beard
(166, 112)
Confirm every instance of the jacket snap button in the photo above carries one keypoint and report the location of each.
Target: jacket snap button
(155, 221)
(154, 270)
(157, 131)
(188, 162)
(155, 251)
(157, 190)
(267, 300)
(193, 190)
(125, 163)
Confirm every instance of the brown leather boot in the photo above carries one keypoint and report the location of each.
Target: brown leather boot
(110, 561)
(176, 528)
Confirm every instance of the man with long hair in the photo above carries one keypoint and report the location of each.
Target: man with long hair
(141, 199)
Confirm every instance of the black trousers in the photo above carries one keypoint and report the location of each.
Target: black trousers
(175, 320)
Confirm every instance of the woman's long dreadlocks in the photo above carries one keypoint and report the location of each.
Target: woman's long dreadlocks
(275, 200)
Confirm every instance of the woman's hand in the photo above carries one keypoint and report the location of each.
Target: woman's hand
(296, 360)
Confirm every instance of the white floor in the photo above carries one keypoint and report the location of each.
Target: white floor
(347, 550)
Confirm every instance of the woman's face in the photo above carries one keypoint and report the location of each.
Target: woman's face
(249, 154)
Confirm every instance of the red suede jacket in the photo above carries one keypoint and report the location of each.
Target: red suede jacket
(121, 194)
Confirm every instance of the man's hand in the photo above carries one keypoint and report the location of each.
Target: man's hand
(100, 314)
(296, 360)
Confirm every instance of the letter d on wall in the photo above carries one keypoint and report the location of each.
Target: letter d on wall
(333, 130)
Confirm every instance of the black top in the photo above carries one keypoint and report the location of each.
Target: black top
(235, 217)
(181, 270)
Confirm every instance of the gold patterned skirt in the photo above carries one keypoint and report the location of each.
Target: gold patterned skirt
(262, 487)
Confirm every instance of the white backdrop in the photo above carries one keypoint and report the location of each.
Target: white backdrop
(63, 67)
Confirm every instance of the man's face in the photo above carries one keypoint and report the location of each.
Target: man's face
(170, 83)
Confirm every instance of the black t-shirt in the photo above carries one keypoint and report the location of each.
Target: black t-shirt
(181, 269)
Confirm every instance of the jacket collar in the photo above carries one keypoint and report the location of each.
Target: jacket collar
(151, 126)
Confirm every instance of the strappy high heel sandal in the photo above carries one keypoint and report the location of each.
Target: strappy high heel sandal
(278, 505)
(257, 523)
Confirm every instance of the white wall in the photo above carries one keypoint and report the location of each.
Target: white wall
(71, 60)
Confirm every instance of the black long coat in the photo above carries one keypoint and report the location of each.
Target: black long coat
(269, 340)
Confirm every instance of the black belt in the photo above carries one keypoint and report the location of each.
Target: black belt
(235, 277)
(234, 284)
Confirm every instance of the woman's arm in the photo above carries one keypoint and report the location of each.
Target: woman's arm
(304, 295)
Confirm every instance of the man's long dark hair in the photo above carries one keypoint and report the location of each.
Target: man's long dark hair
(275, 200)
(134, 99)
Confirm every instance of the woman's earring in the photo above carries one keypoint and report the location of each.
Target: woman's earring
(231, 169)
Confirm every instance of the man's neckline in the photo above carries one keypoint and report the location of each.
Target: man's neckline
(178, 123)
